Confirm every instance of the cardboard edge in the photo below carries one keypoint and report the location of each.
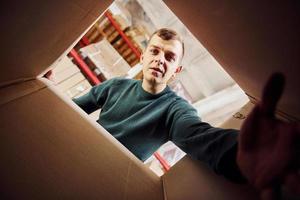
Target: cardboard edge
(164, 185)
(69, 48)
(19, 89)
(279, 112)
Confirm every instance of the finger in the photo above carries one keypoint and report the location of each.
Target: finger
(296, 139)
(292, 183)
(272, 93)
(267, 194)
(271, 193)
(249, 133)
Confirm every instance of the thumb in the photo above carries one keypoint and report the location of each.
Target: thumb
(272, 93)
(249, 131)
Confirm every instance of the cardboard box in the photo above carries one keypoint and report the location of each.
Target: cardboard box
(64, 70)
(106, 59)
(71, 82)
(79, 89)
(50, 149)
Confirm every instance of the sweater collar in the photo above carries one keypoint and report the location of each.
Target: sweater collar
(149, 95)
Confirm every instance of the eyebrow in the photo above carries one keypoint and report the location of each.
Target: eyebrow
(157, 47)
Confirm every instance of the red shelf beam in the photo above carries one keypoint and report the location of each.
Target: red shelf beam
(125, 38)
(83, 66)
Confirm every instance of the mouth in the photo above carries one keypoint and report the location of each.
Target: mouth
(156, 69)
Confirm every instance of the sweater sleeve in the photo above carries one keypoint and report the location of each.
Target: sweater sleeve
(95, 98)
(214, 146)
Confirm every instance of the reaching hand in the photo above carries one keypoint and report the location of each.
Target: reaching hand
(267, 146)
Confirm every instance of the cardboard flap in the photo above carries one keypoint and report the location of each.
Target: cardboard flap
(250, 40)
(50, 151)
(36, 33)
(15, 91)
(190, 179)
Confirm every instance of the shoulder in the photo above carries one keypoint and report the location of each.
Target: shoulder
(115, 82)
(179, 101)
(123, 81)
(178, 104)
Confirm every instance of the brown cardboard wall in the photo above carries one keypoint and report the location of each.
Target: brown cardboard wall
(190, 179)
(49, 151)
(250, 40)
(34, 33)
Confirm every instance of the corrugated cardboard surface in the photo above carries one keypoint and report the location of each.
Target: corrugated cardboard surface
(14, 91)
(237, 120)
(49, 151)
(36, 33)
(239, 117)
(192, 180)
(250, 40)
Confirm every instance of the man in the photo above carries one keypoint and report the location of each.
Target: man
(145, 114)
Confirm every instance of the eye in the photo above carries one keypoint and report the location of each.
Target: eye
(170, 57)
(154, 51)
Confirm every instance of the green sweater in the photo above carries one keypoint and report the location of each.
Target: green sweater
(143, 122)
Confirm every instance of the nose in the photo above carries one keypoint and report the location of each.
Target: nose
(159, 59)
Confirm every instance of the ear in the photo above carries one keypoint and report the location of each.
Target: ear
(178, 69)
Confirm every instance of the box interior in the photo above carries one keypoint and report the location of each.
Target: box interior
(49, 148)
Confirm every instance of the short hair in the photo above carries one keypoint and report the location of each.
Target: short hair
(168, 34)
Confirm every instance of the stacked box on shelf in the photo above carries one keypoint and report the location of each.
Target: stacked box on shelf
(64, 69)
(79, 89)
(106, 59)
(103, 28)
(69, 78)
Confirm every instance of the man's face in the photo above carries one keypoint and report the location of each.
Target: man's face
(161, 60)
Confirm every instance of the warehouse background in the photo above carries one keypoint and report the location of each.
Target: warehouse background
(111, 48)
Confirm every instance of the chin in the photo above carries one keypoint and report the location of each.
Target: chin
(151, 79)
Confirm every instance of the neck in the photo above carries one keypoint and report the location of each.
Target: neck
(153, 88)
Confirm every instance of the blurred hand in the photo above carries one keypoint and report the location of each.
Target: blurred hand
(267, 146)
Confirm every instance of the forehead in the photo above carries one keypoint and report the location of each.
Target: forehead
(174, 46)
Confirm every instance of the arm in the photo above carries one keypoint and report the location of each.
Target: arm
(87, 102)
(267, 148)
(214, 146)
(95, 98)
